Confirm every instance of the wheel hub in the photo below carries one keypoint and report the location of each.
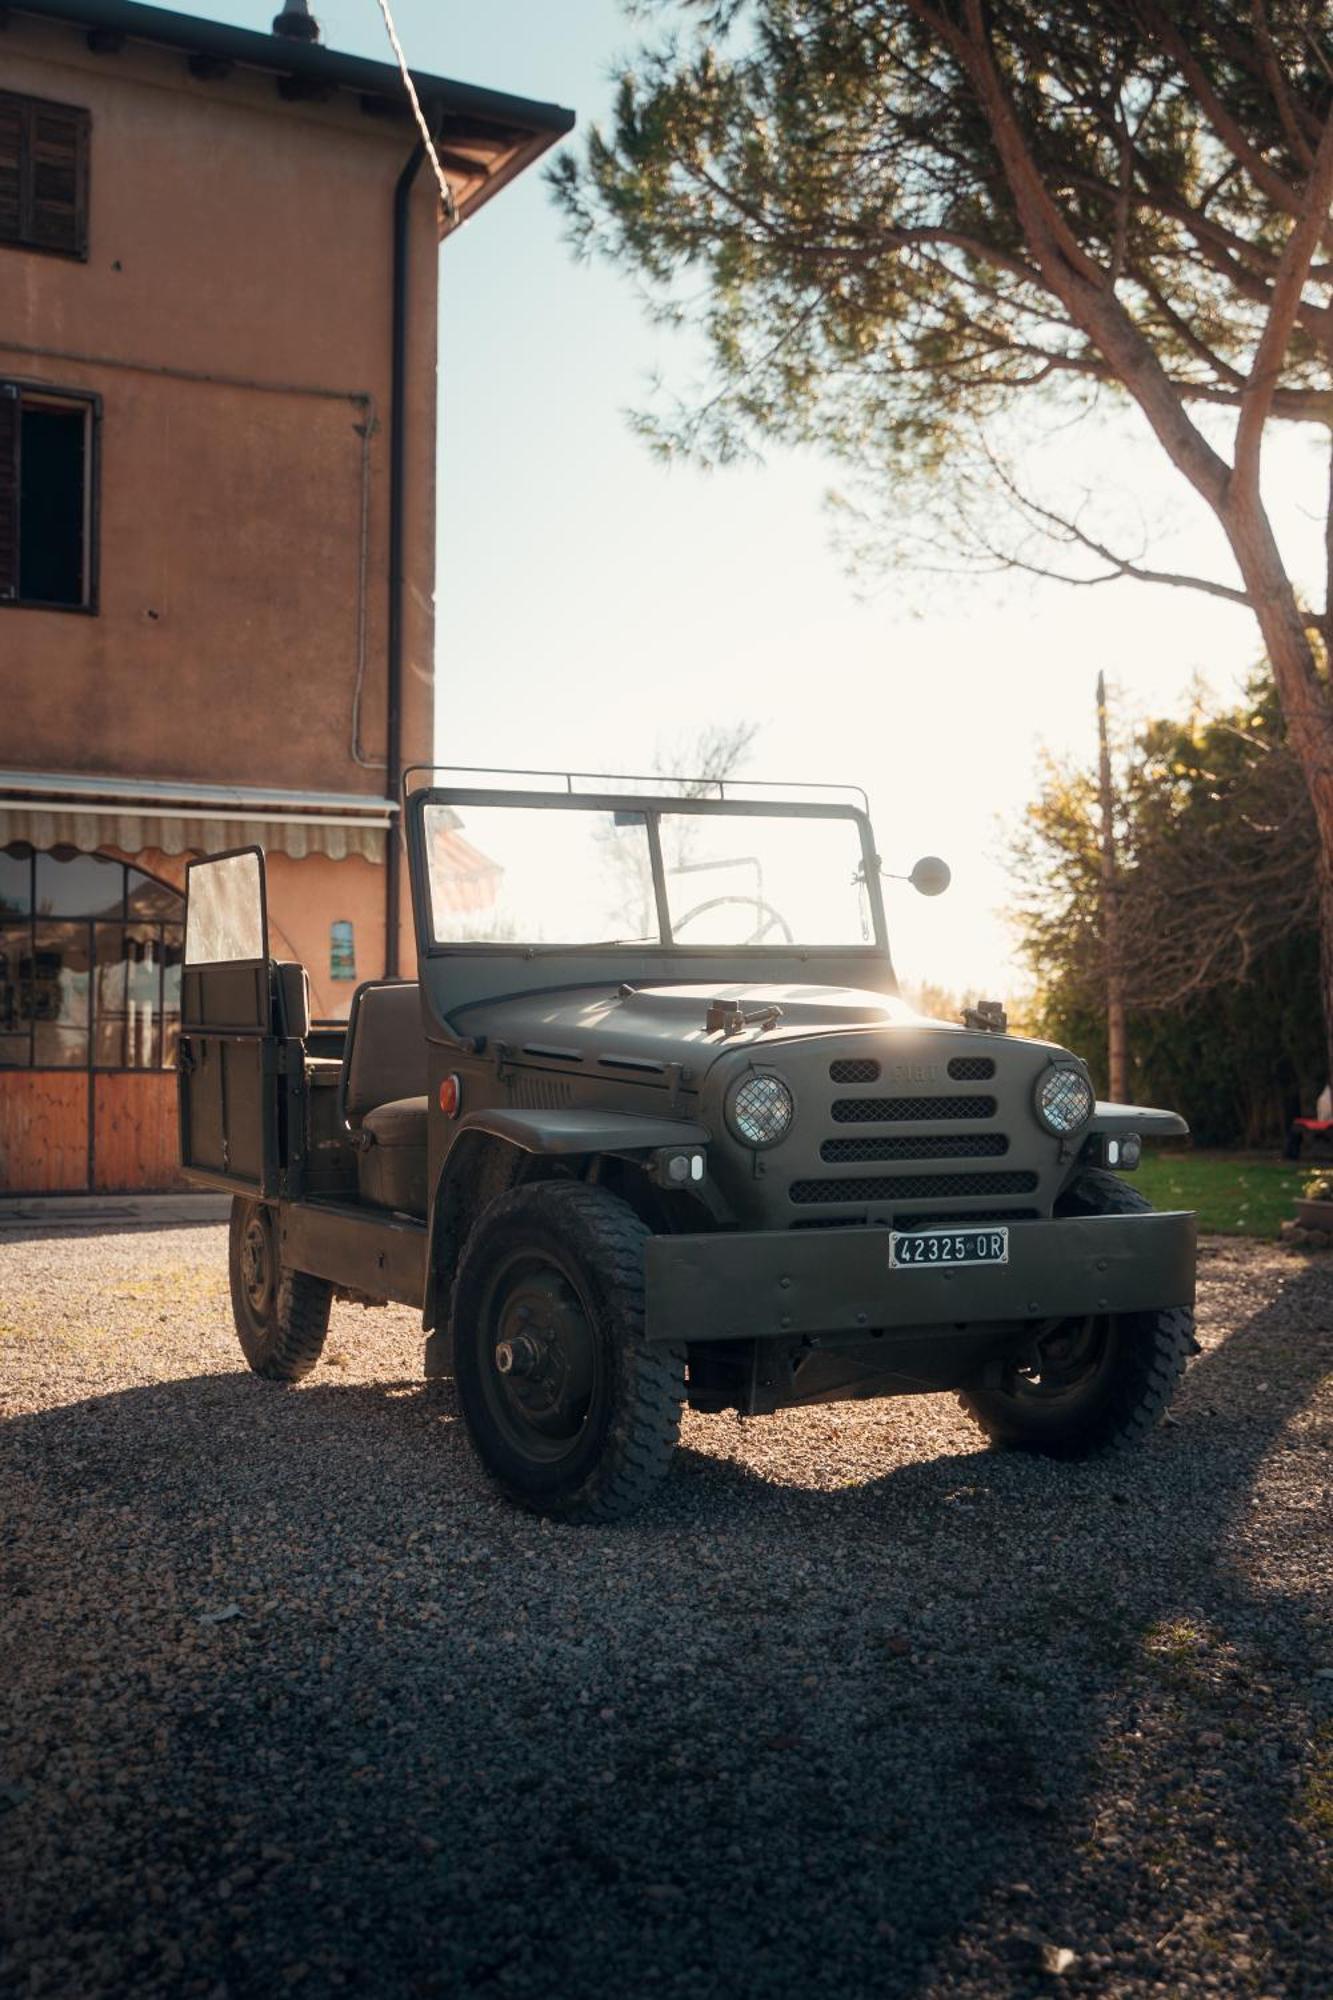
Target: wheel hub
(520, 1356)
(543, 1356)
(257, 1264)
(1065, 1358)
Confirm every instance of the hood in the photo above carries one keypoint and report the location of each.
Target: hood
(652, 1025)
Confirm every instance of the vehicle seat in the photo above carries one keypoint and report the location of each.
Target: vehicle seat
(293, 983)
(384, 1094)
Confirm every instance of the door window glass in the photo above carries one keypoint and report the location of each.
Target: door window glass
(57, 996)
(15, 1030)
(224, 915)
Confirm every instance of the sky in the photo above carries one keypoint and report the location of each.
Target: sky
(596, 609)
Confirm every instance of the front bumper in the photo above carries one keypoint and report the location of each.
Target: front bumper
(781, 1284)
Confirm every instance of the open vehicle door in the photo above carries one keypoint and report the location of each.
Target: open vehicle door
(228, 1050)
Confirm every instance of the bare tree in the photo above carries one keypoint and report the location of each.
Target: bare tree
(701, 762)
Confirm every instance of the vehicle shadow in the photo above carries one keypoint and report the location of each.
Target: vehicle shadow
(297, 1704)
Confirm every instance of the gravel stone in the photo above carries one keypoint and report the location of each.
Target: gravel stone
(290, 1702)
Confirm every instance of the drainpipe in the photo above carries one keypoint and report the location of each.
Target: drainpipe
(402, 215)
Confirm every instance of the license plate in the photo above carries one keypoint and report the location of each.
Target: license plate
(911, 1248)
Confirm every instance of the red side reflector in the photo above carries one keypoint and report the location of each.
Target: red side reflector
(451, 1096)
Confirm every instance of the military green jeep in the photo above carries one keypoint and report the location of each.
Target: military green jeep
(654, 1127)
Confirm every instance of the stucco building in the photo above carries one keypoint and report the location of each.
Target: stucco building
(217, 525)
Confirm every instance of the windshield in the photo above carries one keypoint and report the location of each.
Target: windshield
(561, 875)
(764, 879)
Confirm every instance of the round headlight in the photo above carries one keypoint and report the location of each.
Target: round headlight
(761, 1110)
(1064, 1100)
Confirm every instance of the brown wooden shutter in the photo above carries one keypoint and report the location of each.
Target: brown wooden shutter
(58, 179)
(9, 491)
(12, 123)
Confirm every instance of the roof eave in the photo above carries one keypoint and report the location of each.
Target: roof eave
(542, 124)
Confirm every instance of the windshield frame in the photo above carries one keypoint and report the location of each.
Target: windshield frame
(652, 807)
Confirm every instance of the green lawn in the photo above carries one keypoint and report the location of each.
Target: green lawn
(1236, 1194)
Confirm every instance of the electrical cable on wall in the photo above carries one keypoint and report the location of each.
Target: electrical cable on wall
(446, 192)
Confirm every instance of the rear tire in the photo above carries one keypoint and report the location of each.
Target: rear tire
(282, 1316)
(568, 1409)
(1093, 1385)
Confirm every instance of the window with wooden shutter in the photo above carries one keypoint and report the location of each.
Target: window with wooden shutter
(44, 175)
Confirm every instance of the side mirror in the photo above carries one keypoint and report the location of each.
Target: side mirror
(931, 876)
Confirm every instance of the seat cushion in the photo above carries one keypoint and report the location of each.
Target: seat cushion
(391, 1170)
(402, 1123)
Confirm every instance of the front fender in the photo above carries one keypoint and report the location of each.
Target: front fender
(1114, 1120)
(484, 1160)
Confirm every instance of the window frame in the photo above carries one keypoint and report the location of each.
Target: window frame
(90, 925)
(24, 392)
(27, 107)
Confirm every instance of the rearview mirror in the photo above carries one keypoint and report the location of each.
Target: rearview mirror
(931, 876)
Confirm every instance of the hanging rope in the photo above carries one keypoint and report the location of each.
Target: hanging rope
(446, 192)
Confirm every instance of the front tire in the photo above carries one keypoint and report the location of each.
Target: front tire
(282, 1316)
(1092, 1385)
(568, 1409)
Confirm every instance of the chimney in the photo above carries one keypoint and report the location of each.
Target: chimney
(296, 22)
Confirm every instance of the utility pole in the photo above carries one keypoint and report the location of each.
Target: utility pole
(1115, 981)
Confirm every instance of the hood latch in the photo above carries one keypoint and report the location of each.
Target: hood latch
(730, 1019)
(987, 1017)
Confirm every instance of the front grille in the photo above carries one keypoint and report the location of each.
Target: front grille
(863, 1070)
(972, 1069)
(908, 1110)
(919, 1146)
(913, 1187)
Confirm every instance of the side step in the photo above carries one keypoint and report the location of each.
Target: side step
(377, 1253)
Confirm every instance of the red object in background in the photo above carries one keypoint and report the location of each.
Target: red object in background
(451, 1096)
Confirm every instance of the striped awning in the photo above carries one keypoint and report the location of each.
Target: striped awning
(60, 809)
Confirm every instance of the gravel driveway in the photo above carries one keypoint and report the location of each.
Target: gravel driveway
(293, 1705)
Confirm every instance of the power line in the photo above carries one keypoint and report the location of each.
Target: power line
(446, 192)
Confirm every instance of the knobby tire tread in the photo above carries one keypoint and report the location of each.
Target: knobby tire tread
(1142, 1389)
(649, 1381)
